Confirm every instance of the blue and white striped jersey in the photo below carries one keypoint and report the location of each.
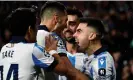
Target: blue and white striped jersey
(17, 60)
(41, 34)
(100, 66)
(77, 61)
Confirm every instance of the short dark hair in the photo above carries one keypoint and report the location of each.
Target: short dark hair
(96, 24)
(74, 11)
(20, 20)
(51, 6)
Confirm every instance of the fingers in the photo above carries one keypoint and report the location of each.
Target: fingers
(47, 42)
(48, 39)
(53, 40)
(50, 43)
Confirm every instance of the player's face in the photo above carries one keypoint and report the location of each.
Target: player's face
(68, 34)
(72, 22)
(82, 35)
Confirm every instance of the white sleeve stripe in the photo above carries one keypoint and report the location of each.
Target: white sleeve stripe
(39, 47)
(38, 62)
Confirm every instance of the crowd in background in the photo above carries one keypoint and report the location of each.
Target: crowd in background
(117, 17)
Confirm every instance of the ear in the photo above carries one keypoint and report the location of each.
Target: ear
(29, 30)
(55, 18)
(92, 36)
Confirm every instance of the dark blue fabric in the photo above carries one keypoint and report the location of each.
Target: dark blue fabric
(99, 51)
(43, 27)
(17, 39)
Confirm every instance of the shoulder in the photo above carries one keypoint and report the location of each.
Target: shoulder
(42, 33)
(104, 55)
(19, 45)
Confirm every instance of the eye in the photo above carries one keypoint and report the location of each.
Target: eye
(72, 23)
(79, 30)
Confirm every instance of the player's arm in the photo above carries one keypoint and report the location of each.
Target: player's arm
(61, 49)
(52, 61)
(64, 64)
(44, 60)
(51, 47)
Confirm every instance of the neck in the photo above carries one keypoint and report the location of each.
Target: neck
(94, 46)
(47, 23)
(58, 31)
(71, 48)
(27, 38)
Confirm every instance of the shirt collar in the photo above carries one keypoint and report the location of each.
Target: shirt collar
(100, 50)
(43, 27)
(17, 39)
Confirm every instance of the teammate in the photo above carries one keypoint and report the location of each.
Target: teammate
(15, 55)
(99, 65)
(74, 54)
(53, 19)
(18, 58)
(73, 15)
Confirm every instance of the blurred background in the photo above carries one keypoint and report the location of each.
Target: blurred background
(117, 17)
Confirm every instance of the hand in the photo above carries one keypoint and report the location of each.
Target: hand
(51, 43)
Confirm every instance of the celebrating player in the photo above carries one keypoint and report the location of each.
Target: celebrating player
(74, 54)
(99, 65)
(53, 18)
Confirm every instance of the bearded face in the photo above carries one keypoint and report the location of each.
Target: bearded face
(68, 36)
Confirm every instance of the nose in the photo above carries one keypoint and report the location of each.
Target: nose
(74, 35)
(68, 26)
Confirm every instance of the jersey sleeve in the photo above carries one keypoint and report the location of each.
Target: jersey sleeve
(41, 34)
(41, 59)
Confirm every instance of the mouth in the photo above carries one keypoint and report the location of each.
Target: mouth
(77, 41)
(68, 31)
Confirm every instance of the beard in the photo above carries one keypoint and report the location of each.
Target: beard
(71, 40)
(60, 26)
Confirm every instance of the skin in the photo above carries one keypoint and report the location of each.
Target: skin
(72, 22)
(68, 35)
(31, 35)
(64, 67)
(60, 23)
(81, 35)
(86, 38)
(56, 24)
